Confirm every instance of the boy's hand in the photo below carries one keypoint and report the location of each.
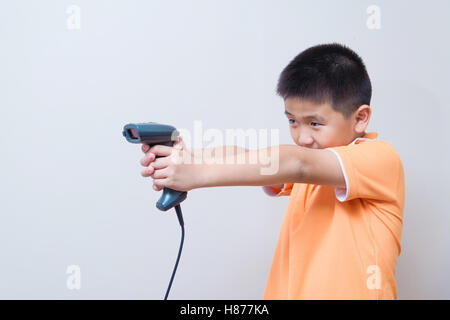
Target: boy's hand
(170, 170)
(150, 156)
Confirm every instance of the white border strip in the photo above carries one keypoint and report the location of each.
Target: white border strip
(341, 193)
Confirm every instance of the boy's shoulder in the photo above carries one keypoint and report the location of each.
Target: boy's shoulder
(381, 149)
(372, 169)
(370, 147)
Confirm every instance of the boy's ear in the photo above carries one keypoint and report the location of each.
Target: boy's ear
(362, 118)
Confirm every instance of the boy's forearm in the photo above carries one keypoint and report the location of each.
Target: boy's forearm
(218, 151)
(247, 167)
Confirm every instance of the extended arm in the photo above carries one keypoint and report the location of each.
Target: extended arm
(294, 164)
(275, 165)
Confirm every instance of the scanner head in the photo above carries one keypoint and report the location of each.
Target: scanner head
(150, 133)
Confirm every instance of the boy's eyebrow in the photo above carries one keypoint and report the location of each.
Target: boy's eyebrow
(311, 116)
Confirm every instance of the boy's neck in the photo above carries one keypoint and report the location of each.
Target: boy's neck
(362, 135)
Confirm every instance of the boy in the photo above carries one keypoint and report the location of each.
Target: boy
(340, 236)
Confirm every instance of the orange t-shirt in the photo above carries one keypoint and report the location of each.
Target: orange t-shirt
(343, 243)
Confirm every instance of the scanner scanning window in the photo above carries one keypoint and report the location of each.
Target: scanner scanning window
(132, 132)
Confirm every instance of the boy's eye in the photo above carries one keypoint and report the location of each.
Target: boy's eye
(314, 124)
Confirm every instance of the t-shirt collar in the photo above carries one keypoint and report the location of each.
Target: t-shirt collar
(367, 137)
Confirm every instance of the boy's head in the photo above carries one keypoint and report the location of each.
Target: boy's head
(329, 82)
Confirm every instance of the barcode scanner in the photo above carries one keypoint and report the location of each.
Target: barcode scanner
(153, 133)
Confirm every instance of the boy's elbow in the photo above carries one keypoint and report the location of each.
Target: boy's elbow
(272, 190)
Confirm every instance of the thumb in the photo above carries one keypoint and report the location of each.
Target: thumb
(179, 144)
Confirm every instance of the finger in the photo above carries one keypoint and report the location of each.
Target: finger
(159, 183)
(161, 151)
(149, 157)
(160, 163)
(147, 172)
(160, 174)
(145, 147)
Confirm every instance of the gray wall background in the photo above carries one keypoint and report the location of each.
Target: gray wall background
(71, 190)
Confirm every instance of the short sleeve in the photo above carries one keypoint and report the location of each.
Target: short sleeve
(277, 192)
(372, 170)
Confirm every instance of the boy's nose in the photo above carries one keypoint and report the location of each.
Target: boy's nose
(305, 141)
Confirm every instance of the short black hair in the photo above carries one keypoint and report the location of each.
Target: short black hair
(330, 73)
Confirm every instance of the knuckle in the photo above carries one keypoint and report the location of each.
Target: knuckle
(154, 149)
(149, 155)
(147, 172)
